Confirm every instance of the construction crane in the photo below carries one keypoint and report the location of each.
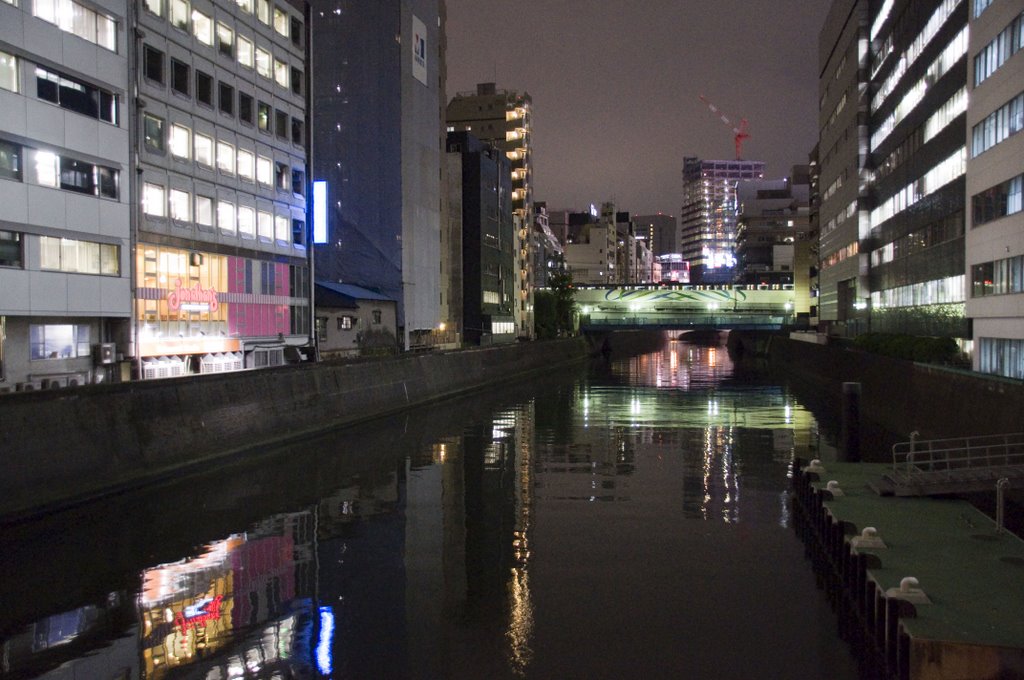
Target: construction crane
(739, 133)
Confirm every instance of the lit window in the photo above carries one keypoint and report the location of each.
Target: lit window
(225, 158)
(263, 11)
(281, 73)
(246, 221)
(281, 23)
(180, 205)
(46, 164)
(154, 6)
(58, 341)
(266, 226)
(202, 27)
(179, 14)
(245, 51)
(245, 6)
(226, 217)
(246, 165)
(8, 72)
(225, 40)
(204, 150)
(281, 228)
(154, 201)
(180, 141)
(204, 211)
(263, 62)
(264, 171)
(72, 17)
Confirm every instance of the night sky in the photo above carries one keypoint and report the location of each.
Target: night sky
(615, 87)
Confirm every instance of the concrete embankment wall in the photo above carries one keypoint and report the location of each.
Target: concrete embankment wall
(903, 396)
(60, 446)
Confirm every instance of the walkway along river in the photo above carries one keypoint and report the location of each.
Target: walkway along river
(628, 519)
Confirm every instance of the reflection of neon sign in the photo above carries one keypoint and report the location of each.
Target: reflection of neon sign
(194, 299)
(324, 660)
(201, 612)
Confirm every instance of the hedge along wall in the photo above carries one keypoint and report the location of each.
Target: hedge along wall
(903, 396)
(60, 446)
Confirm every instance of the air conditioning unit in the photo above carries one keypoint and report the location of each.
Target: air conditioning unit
(104, 353)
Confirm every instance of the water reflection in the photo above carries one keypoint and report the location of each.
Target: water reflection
(445, 546)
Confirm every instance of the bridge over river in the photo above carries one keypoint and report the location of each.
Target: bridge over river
(686, 307)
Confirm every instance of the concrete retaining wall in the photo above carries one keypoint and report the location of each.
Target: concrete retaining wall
(60, 446)
(903, 396)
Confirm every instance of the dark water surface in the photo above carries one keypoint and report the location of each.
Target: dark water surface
(626, 521)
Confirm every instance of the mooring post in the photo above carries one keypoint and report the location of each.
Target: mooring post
(1001, 487)
(849, 432)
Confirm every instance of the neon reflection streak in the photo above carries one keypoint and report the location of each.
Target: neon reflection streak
(324, 656)
(520, 620)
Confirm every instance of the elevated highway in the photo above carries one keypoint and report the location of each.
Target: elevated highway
(686, 307)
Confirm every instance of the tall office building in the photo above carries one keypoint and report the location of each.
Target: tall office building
(707, 221)
(661, 232)
(893, 99)
(65, 203)
(221, 260)
(377, 142)
(994, 247)
(505, 118)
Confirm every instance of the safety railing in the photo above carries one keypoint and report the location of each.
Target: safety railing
(959, 458)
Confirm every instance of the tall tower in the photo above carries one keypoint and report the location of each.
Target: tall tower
(504, 118)
(708, 217)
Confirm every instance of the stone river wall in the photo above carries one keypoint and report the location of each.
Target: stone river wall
(61, 446)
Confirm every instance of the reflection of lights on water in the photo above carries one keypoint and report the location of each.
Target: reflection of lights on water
(788, 414)
(712, 357)
(324, 660)
(712, 408)
(520, 620)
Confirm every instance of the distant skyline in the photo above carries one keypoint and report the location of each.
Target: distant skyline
(616, 87)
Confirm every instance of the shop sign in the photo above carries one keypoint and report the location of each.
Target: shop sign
(207, 609)
(194, 299)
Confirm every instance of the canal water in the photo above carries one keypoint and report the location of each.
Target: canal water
(626, 520)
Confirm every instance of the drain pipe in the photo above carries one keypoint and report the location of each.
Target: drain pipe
(1001, 486)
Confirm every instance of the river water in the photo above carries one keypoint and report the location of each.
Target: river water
(629, 519)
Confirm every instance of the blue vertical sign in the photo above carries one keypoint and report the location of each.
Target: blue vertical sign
(319, 211)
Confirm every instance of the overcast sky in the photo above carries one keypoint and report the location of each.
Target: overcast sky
(615, 87)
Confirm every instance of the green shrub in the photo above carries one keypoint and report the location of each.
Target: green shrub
(922, 349)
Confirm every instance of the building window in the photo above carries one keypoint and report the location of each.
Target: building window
(997, 52)
(296, 78)
(281, 73)
(999, 201)
(344, 323)
(153, 64)
(281, 124)
(226, 217)
(245, 55)
(154, 7)
(76, 96)
(179, 14)
(1001, 277)
(77, 176)
(154, 200)
(296, 32)
(321, 328)
(281, 228)
(58, 341)
(153, 132)
(79, 257)
(202, 28)
(263, 116)
(10, 249)
(245, 108)
(226, 98)
(10, 160)
(1001, 356)
(180, 141)
(204, 211)
(265, 224)
(204, 150)
(376, 316)
(79, 20)
(1007, 120)
(46, 168)
(263, 11)
(225, 157)
(263, 62)
(281, 23)
(298, 232)
(298, 182)
(180, 77)
(180, 203)
(246, 221)
(204, 88)
(8, 72)
(246, 165)
(298, 131)
(281, 176)
(225, 40)
(245, 6)
(264, 170)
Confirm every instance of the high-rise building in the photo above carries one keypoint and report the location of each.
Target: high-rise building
(546, 249)
(377, 142)
(774, 215)
(892, 157)
(995, 215)
(221, 259)
(65, 198)
(707, 221)
(505, 118)
(660, 231)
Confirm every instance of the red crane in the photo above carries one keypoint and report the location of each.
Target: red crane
(739, 133)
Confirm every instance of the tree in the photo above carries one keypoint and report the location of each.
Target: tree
(560, 285)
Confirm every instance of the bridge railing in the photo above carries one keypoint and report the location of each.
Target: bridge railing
(944, 458)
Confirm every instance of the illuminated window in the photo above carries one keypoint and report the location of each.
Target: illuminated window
(263, 62)
(180, 141)
(180, 205)
(58, 341)
(281, 73)
(245, 54)
(225, 157)
(226, 217)
(72, 17)
(154, 6)
(246, 165)
(154, 200)
(225, 40)
(8, 72)
(179, 14)
(245, 6)
(263, 116)
(46, 168)
(266, 225)
(202, 28)
(204, 150)
(204, 211)
(263, 11)
(246, 221)
(281, 228)
(264, 170)
(281, 23)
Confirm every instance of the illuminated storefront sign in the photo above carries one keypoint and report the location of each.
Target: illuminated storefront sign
(194, 299)
(207, 609)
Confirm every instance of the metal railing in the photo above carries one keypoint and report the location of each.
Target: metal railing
(946, 460)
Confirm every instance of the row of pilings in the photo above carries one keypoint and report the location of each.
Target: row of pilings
(867, 620)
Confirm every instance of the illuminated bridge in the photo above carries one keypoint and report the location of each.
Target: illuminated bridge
(686, 307)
